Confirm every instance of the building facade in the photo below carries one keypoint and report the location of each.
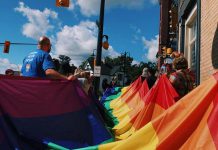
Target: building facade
(189, 34)
(198, 20)
(197, 35)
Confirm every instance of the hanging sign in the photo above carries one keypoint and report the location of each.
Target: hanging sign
(97, 71)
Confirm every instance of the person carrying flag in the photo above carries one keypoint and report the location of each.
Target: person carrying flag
(39, 63)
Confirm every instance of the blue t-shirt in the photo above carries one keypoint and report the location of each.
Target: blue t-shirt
(36, 63)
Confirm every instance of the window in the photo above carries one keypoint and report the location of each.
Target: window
(190, 39)
(192, 45)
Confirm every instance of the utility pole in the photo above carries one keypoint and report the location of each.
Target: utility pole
(99, 44)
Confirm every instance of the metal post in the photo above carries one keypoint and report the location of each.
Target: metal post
(99, 44)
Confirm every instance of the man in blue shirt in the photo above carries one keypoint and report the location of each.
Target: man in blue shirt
(39, 63)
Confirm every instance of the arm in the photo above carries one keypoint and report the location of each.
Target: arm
(48, 66)
(51, 73)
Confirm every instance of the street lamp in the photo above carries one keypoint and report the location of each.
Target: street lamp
(105, 43)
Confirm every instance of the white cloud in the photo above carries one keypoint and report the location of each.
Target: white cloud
(92, 7)
(110, 52)
(89, 7)
(5, 64)
(152, 47)
(38, 21)
(77, 41)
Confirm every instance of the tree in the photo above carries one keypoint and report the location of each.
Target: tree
(120, 60)
(56, 64)
(65, 67)
(64, 59)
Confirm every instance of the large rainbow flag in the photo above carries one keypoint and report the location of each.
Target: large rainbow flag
(116, 101)
(146, 105)
(191, 123)
(47, 114)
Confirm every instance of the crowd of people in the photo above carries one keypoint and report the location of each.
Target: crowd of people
(177, 71)
(182, 78)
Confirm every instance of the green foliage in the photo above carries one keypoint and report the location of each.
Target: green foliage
(83, 64)
(65, 67)
(64, 59)
(120, 60)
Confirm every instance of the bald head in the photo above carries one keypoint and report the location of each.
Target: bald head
(44, 44)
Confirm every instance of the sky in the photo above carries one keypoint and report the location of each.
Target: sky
(132, 27)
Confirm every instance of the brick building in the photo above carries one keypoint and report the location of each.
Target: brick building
(209, 38)
(198, 21)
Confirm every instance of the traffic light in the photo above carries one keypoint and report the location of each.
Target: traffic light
(62, 3)
(7, 46)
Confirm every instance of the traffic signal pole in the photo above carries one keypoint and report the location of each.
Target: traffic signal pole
(20, 43)
(8, 43)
